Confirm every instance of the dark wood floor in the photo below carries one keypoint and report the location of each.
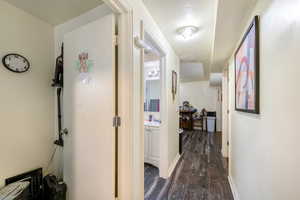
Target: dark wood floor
(151, 173)
(201, 173)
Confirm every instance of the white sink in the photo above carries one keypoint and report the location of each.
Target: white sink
(152, 124)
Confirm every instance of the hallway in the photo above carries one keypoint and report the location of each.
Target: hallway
(200, 173)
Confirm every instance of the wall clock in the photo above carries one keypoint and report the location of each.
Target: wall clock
(16, 63)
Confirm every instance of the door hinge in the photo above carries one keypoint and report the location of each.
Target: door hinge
(227, 143)
(116, 121)
(116, 40)
(228, 111)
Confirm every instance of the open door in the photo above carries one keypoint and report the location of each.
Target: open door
(89, 108)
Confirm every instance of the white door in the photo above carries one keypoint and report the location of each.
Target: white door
(89, 107)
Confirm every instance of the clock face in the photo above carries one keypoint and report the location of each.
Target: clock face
(16, 63)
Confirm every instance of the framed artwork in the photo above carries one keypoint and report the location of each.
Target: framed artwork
(174, 84)
(247, 71)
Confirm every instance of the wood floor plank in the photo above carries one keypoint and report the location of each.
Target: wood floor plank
(201, 174)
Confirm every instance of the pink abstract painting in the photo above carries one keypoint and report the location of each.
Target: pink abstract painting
(246, 69)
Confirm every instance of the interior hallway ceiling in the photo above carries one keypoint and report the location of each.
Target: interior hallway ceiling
(219, 22)
(55, 11)
(171, 15)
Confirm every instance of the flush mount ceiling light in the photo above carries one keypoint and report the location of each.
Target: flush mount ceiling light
(187, 32)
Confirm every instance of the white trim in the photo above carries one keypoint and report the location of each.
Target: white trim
(233, 188)
(147, 36)
(123, 9)
(225, 114)
(173, 165)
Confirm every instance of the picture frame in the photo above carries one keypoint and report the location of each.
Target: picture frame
(247, 65)
(174, 84)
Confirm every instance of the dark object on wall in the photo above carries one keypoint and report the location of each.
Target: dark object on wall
(174, 84)
(60, 140)
(58, 80)
(16, 63)
(35, 178)
(54, 189)
(247, 71)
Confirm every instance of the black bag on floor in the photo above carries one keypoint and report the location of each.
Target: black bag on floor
(54, 189)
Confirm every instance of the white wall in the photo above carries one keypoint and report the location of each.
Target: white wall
(26, 99)
(265, 156)
(201, 95)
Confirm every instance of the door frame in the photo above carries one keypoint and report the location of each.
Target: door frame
(131, 166)
(124, 12)
(225, 115)
(163, 139)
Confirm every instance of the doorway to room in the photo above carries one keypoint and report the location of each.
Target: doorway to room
(154, 111)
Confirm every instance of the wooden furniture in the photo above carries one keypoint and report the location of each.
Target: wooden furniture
(186, 120)
(200, 123)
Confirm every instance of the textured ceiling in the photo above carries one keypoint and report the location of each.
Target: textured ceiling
(231, 20)
(173, 14)
(55, 11)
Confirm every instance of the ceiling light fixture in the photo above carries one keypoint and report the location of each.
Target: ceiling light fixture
(187, 32)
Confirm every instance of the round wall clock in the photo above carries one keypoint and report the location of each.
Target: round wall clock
(16, 63)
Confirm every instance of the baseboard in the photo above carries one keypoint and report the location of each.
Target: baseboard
(173, 165)
(233, 188)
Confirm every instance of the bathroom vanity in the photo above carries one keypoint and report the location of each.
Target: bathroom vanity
(152, 103)
(151, 142)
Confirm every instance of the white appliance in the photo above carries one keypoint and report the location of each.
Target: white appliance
(211, 124)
